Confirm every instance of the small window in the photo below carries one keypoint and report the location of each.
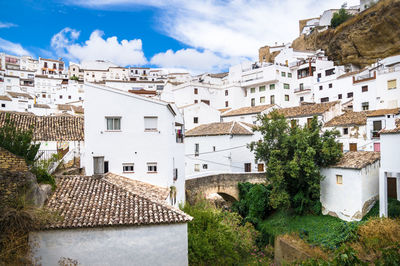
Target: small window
(262, 99)
(272, 99)
(364, 88)
(253, 102)
(262, 88)
(286, 97)
(196, 91)
(319, 75)
(226, 103)
(214, 148)
(339, 96)
(60, 96)
(247, 167)
(329, 72)
(325, 99)
(339, 179)
(150, 123)
(350, 95)
(301, 99)
(69, 96)
(43, 95)
(365, 106)
(392, 84)
(205, 166)
(226, 93)
(283, 74)
(252, 90)
(196, 149)
(301, 86)
(128, 167)
(197, 167)
(152, 167)
(345, 131)
(196, 101)
(321, 87)
(330, 85)
(3, 105)
(113, 123)
(286, 86)
(272, 86)
(289, 75)
(195, 120)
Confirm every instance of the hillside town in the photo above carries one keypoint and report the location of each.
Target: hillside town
(124, 143)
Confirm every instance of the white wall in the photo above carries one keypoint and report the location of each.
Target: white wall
(205, 114)
(133, 245)
(390, 159)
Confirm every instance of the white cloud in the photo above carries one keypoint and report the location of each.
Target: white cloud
(126, 52)
(7, 25)
(231, 28)
(12, 48)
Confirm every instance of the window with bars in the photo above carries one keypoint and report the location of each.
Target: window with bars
(152, 167)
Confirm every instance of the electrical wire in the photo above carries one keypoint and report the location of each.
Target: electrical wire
(217, 150)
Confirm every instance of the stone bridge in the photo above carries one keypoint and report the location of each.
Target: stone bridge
(226, 185)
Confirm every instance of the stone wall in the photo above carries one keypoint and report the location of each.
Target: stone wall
(287, 251)
(12, 162)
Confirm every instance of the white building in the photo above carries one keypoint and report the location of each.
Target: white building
(129, 227)
(247, 114)
(350, 188)
(199, 113)
(133, 136)
(220, 148)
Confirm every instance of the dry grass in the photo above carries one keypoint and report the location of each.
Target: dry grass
(313, 251)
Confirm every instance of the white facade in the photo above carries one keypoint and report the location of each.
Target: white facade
(199, 113)
(143, 135)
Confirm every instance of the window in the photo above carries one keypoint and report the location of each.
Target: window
(377, 126)
(253, 101)
(293, 123)
(226, 92)
(339, 96)
(43, 95)
(262, 99)
(128, 167)
(301, 99)
(150, 123)
(364, 88)
(339, 179)
(329, 72)
(272, 86)
(301, 86)
(345, 131)
(353, 146)
(289, 75)
(272, 99)
(3, 105)
(286, 86)
(309, 120)
(226, 103)
(69, 96)
(206, 102)
(286, 97)
(247, 167)
(262, 88)
(325, 99)
(60, 96)
(321, 87)
(319, 75)
(197, 167)
(330, 85)
(252, 90)
(365, 106)
(196, 149)
(113, 123)
(195, 120)
(350, 95)
(283, 74)
(205, 166)
(214, 148)
(196, 91)
(392, 84)
(196, 101)
(151, 167)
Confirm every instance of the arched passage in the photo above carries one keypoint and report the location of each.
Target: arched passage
(227, 197)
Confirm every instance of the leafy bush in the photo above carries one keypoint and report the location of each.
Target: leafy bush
(43, 176)
(340, 17)
(18, 142)
(393, 209)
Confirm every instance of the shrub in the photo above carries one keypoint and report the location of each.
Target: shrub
(43, 176)
(340, 17)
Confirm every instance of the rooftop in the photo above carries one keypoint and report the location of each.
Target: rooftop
(307, 109)
(394, 130)
(85, 202)
(357, 159)
(382, 112)
(248, 110)
(44, 106)
(19, 94)
(349, 118)
(216, 129)
(4, 98)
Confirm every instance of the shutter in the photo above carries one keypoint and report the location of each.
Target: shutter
(150, 123)
(392, 84)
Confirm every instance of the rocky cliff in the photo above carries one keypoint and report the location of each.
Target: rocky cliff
(368, 36)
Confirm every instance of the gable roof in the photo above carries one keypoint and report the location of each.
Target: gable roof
(4, 98)
(382, 112)
(307, 109)
(357, 159)
(349, 118)
(216, 129)
(85, 202)
(248, 110)
(47, 128)
(19, 94)
(394, 130)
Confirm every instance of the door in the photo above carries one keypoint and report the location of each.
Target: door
(392, 187)
(247, 167)
(98, 165)
(260, 167)
(353, 146)
(377, 146)
(106, 167)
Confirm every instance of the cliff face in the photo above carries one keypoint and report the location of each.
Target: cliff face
(372, 34)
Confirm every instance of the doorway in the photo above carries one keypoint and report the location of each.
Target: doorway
(392, 187)
(98, 165)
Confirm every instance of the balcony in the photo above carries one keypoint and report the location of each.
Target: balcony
(302, 90)
(375, 134)
(362, 78)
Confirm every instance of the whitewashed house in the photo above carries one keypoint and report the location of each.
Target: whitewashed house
(220, 148)
(247, 114)
(350, 188)
(389, 174)
(129, 227)
(199, 113)
(134, 136)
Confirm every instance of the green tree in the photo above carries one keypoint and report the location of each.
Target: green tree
(294, 156)
(340, 17)
(19, 142)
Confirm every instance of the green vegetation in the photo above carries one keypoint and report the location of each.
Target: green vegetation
(217, 237)
(294, 156)
(74, 78)
(393, 209)
(340, 17)
(18, 142)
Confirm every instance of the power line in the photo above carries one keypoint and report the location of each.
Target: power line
(207, 161)
(217, 151)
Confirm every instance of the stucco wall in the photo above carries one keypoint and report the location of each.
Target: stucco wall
(143, 245)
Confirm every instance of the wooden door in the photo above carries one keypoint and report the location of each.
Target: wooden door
(260, 167)
(392, 187)
(98, 165)
(247, 167)
(353, 146)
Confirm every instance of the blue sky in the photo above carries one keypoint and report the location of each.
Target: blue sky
(198, 35)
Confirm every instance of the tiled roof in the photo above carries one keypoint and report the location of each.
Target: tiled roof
(48, 128)
(357, 159)
(349, 118)
(348, 74)
(19, 94)
(84, 201)
(223, 110)
(64, 107)
(307, 109)
(78, 109)
(248, 110)
(45, 106)
(4, 98)
(215, 129)
(138, 187)
(394, 130)
(381, 112)
(219, 75)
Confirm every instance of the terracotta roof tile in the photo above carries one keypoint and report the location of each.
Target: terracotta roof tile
(19, 94)
(215, 129)
(5, 98)
(45, 106)
(64, 107)
(381, 112)
(394, 130)
(219, 75)
(307, 109)
(357, 159)
(349, 118)
(48, 128)
(78, 109)
(248, 110)
(84, 202)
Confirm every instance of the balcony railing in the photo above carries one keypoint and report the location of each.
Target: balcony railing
(305, 89)
(366, 77)
(375, 134)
